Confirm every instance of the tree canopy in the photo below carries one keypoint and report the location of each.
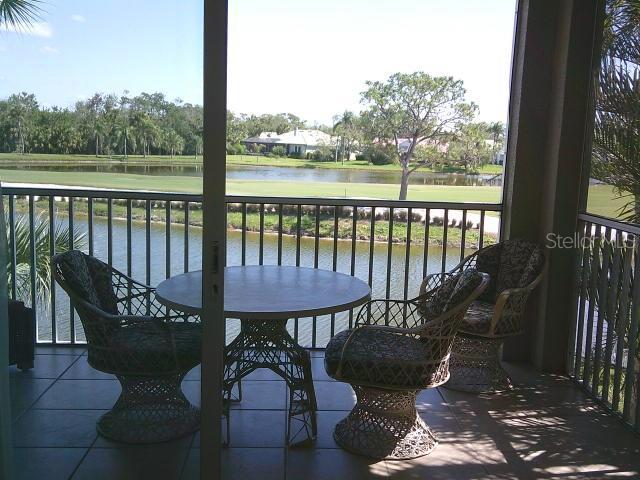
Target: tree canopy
(104, 124)
(411, 109)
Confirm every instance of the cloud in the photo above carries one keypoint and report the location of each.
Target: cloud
(50, 50)
(38, 29)
(3, 48)
(78, 18)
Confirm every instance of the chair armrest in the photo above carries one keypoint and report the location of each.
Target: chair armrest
(433, 281)
(142, 301)
(510, 305)
(389, 312)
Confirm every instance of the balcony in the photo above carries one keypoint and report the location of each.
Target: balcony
(545, 428)
(549, 426)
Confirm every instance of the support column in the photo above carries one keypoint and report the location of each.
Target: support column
(550, 118)
(6, 444)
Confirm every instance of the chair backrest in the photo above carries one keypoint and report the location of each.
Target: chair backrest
(88, 282)
(512, 263)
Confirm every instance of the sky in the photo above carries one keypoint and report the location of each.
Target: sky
(309, 58)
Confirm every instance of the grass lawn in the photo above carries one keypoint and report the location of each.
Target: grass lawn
(603, 200)
(12, 158)
(124, 181)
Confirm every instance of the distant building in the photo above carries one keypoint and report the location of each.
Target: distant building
(298, 141)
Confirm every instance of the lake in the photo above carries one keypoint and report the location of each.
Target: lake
(258, 172)
(325, 260)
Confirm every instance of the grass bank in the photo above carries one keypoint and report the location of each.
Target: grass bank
(289, 223)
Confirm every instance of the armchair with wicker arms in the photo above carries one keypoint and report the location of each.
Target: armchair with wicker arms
(146, 346)
(396, 349)
(515, 267)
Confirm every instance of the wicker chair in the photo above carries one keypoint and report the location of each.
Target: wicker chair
(148, 347)
(397, 349)
(515, 267)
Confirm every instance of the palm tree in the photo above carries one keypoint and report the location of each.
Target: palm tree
(616, 142)
(19, 14)
(174, 142)
(344, 126)
(41, 233)
(496, 130)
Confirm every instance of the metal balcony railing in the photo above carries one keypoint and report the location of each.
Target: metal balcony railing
(604, 351)
(150, 236)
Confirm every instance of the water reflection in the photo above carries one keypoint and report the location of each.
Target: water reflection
(258, 172)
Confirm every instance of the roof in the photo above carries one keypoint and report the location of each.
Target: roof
(294, 137)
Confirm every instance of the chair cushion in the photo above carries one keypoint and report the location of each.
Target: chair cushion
(89, 279)
(488, 261)
(139, 350)
(102, 279)
(520, 264)
(478, 318)
(378, 357)
(510, 264)
(453, 291)
(465, 284)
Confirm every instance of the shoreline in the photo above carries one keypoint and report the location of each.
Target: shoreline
(491, 224)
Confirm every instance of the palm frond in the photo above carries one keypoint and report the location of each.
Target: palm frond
(19, 14)
(41, 241)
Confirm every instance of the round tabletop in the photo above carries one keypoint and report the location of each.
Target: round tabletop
(269, 292)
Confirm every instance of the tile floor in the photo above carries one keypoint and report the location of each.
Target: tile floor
(545, 428)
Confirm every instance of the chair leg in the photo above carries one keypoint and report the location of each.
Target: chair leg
(475, 366)
(384, 424)
(150, 410)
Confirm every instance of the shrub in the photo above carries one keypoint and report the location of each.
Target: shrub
(297, 155)
(236, 149)
(362, 156)
(323, 154)
(278, 151)
(256, 148)
(380, 157)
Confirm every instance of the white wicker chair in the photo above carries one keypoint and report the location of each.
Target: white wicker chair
(148, 347)
(397, 349)
(515, 268)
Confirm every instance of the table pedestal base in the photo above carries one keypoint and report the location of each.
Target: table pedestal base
(267, 344)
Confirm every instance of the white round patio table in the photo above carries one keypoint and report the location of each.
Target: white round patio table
(264, 298)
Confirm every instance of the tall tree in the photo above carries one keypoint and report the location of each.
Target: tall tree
(22, 108)
(174, 143)
(346, 127)
(236, 128)
(469, 148)
(410, 109)
(496, 131)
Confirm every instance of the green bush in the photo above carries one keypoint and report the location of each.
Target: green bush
(296, 155)
(278, 151)
(324, 153)
(236, 149)
(362, 156)
(379, 157)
